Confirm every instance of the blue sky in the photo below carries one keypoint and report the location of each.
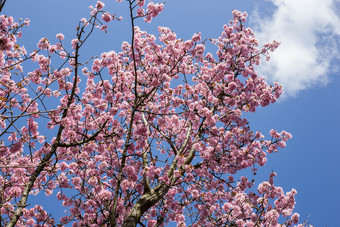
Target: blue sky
(307, 64)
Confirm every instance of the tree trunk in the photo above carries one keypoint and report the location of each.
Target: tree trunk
(144, 203)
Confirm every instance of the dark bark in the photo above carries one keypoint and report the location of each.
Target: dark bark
(144, 203)
(2, 4)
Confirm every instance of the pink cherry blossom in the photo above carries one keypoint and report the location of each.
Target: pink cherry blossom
(106, 17)
(74, 43)
(100, 5)
(60, 36)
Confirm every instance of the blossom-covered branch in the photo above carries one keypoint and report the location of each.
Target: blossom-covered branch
(148, 135)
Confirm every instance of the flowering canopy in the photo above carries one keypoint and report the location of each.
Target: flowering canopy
(146, 136)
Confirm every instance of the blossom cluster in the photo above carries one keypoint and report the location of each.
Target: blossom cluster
(124, 136)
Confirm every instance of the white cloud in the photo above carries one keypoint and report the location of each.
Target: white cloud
(309, 31)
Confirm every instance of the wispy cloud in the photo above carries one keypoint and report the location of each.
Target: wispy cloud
(309, 31)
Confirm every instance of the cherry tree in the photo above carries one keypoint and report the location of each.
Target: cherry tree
(149, 135)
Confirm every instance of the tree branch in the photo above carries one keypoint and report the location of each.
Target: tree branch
(2, 4)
